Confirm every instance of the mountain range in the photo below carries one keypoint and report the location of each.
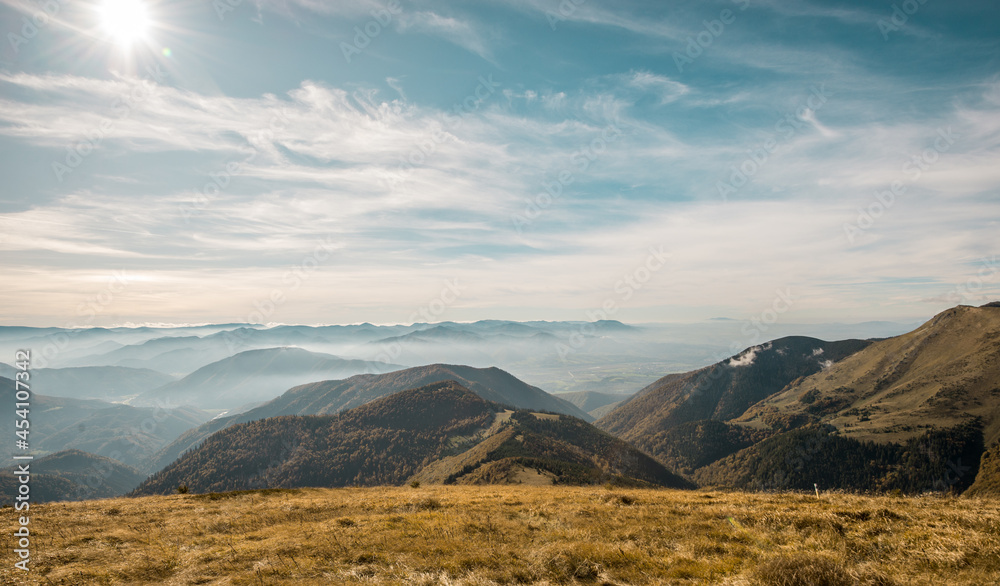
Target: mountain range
(129, 434)
(329, 397)
(442, 426)
(107, 383)
(255, 376)
(71, 475)
(914, 412)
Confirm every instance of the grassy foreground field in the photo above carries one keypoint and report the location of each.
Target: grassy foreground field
(510, 535)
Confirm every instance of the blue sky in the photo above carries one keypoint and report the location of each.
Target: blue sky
(512, 159)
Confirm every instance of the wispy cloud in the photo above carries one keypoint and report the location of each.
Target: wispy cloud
(452, 29)
(225, 182)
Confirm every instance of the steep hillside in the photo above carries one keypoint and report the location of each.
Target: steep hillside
(690, 446)
(328, 397)
(944, 373)
(987, 482)
(388, 440)
(122, 432)
(71, 475)
(722, 391)
(254, 376)
(940, 460)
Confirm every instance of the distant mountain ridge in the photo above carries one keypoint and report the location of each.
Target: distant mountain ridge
(254, 376)
(123, 432)
(71, 475)
(92, 382)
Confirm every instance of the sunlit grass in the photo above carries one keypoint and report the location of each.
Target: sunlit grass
(512, 535)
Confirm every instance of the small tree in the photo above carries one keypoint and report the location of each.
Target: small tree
(182, 489)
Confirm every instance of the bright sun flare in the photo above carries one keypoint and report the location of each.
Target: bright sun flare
(125, 20)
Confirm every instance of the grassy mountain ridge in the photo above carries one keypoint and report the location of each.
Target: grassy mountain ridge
(944, 373)
(720, 392)
(910, 413)
(561, 448)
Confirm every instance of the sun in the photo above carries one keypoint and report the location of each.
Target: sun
(126, 21)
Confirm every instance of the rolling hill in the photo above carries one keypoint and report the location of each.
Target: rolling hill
(388, 440)
(329, 397)
(255, 376)
(122, 432)
(71, 475)
(108, 383)
(176, 355)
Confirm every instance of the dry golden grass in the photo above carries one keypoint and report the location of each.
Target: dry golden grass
(511, 535)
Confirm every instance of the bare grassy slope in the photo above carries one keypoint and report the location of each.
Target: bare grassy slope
(941, 374)
(561, 449)
(481, 536)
